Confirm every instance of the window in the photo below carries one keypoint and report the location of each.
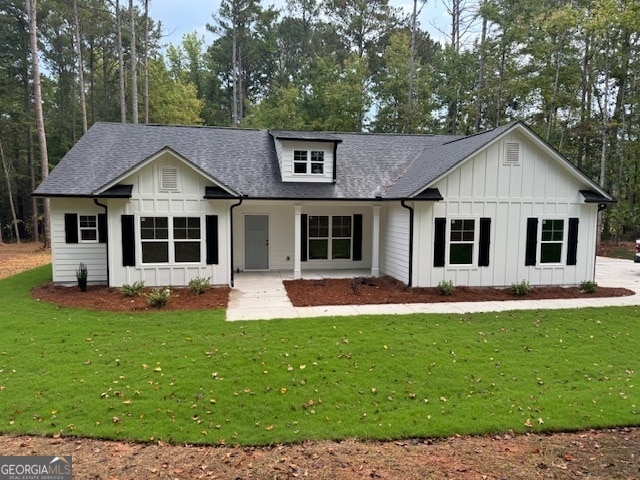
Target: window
(88, 225)
(170, 240)
(461, 241)
(330, 237)
(154, 232)
(305, 162)
(551, 241)
(186, 235)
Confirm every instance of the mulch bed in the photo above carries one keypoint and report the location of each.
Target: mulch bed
(383, 290)
(98, 297)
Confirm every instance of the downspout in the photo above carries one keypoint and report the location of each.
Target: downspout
(231, 236)
(409, 283)
(95, 200)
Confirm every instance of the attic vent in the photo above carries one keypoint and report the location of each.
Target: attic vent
(512, 153)
(169, 179)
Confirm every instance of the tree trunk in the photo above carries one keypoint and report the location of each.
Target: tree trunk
(123, 103)
(134, 63)
(481, 76)
(83, 102)
(7, 175)
(146, 61)
(44, 158)
(234, 75)
(32, 177)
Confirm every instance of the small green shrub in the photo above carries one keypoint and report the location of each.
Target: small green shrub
(158, 297)
(82, 274)
(588, 287)
(446, 287)
(521, 289)
(132, 290)
(199, 285)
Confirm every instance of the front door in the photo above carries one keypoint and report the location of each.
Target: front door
(256, 242)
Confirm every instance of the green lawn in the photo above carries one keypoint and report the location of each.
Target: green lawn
(192, 377)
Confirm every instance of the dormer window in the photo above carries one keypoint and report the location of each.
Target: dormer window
(308, 162)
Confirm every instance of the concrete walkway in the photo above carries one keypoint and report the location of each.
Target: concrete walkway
(261, 296)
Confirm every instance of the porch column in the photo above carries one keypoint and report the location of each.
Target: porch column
(375, 242)
(297, 227)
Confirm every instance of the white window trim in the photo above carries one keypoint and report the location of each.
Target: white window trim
(170, 240)
(81, 229)
(476, 242)
(329, 239)
(565, 238)
(308, 162)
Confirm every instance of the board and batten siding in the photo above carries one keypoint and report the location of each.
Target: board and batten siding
(66, 257)
(485, 187)
(187, 200)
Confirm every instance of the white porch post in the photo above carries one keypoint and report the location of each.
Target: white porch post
(375, 243)
(297, 238)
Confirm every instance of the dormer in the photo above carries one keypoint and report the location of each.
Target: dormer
(306, 156)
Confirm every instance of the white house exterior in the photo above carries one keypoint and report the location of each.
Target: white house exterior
(167, 204)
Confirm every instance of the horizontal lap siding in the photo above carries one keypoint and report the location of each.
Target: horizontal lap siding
(282, 235)
(66, 257)
(395, 243)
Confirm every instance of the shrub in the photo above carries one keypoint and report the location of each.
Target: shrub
(521, 289)
(446, 287)
(199, 285)
(358, 282)
(82, 274)
(158, 297)
(588, 287)
(132, 290)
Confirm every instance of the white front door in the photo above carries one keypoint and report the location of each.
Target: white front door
(256, 242)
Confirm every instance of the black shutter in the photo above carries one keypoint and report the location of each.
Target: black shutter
(303, 237)
(439, 232)
(357, 237)
(572, 242)
(212, 239)
(532, 241)
(102, 228)
(71, 228)
(485, 242)
(128, 240)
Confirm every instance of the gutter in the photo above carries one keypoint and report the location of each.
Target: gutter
(231, 237)
(106, 213)
(411, 213)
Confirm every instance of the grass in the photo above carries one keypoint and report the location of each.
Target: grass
(191, 377)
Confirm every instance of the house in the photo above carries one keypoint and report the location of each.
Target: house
(166, 204)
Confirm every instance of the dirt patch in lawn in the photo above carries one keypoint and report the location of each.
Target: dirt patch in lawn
(18, 257)
(607, 454)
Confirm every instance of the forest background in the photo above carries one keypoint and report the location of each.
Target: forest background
(569, 69)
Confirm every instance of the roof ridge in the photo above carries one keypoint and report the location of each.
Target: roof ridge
(506, 126)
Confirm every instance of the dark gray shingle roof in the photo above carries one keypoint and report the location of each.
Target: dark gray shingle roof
(244, 161)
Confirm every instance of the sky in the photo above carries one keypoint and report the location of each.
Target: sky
(180, 17)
